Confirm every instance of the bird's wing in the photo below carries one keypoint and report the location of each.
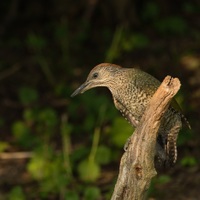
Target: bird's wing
(125, 112)
(150, 85)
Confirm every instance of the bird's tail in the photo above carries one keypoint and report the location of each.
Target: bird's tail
(185, 121)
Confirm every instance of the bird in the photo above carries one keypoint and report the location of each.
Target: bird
(132, 89)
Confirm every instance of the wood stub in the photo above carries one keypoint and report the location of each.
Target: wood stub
(137, 163)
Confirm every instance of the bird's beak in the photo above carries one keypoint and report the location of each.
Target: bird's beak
(81, 89)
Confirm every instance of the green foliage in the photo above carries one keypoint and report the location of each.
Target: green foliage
(39, 167)
(158, 181)
(135, 41)
(163, 179)
(89, 170)
(49, 170)
(22, 134)
(120, 131)
(36, 42)
(114, 50)
(30, 115)
(16, 194)
(71, 195)
(171, 25)
(126, 41)
(48, 117)
(3, 146)
(103, 155)
(27, 95)
(151, 11)
(189, 161)
(92, 193)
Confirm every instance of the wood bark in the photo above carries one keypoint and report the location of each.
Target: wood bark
(137, 163)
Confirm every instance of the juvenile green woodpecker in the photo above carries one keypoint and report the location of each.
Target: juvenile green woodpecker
(132, 90)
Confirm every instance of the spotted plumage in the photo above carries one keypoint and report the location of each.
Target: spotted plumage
(132, 90)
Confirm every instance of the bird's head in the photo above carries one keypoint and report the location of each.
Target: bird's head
(101, 75)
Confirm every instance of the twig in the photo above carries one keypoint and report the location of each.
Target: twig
(15, 155)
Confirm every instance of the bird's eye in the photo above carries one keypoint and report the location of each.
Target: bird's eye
(95, 75)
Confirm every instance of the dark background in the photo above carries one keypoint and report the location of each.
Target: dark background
(56, 147)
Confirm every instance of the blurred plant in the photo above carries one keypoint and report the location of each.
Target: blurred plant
(134, 41)
(151, 11)
(189, 161)
(114, 50)
(92, 193)
(124, 40)
(3, 146)
(89, 169)
(103, 155)
(27, 95)
(16, 194)
(171, 25)
(158, 181)
(37, 43)
(66, 130)
(22, 134)
(120, 131)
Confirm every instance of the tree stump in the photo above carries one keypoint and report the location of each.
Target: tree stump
(137, 163)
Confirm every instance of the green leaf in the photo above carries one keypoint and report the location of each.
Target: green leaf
(163, 179)
(103, 155)
(71, 195)
(22, 134)
(88, 170)
(27, 95)
(120, 131)
(16, 194)
(30, 115)
(173, 25)
(92, 193)
(3, 146)
(135, 41)
(48, 117)
(39, 167)
(189, 161)
(36, 42)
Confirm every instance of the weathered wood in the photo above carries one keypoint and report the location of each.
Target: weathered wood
(137, 164)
